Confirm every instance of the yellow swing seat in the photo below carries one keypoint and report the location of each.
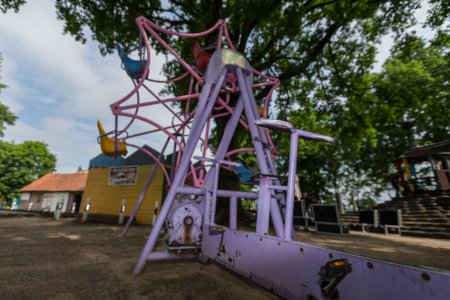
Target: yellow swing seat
(107, 143)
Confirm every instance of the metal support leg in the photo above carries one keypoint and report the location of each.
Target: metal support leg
(207, 210)
(267, 152)
(291, 187)
(174, 158)
(144, 190)
(263, 215)
(197, 128)
(233, 213)
(215, 173)
(214, 195)
(225, 142)
(243, 85)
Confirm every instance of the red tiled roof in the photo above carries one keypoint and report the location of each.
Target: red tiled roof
(58, 183)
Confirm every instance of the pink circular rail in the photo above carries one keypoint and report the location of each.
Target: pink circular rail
(145, 26)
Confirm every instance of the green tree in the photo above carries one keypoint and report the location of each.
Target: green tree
(20, 164)
(409, 101)
(383, 114)
(6, 116)
(366, 203)
(6, 5)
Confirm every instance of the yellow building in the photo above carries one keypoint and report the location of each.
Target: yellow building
(112, 180)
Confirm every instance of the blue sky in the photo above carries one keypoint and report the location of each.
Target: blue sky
(59, 87)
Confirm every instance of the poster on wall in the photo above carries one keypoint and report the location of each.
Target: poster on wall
(51, 200)
(123, 175)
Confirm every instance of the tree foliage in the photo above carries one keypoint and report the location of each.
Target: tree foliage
(6, 116)
(282, 38)
(379, 116)
(323, 52)
(21, 164)
(6, 5)
(408, 104)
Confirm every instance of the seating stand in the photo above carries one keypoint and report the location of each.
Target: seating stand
(390, 219)
(368, 219)
(326, 219)
(381, 221)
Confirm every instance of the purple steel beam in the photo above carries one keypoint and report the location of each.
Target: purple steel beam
(264, 200)
(278, 187)
(264, 134)
(197, 128)
(214, 192)
(220, 155)
(275, 210)
(172, 165)
(228, 135)
(291, 187)
(210, 210)
(256, 137)
(290, 269)
(221, 193)
(233, 212)
(207, 209)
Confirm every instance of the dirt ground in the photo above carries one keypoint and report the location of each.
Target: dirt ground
(41, 258)
(414, 251)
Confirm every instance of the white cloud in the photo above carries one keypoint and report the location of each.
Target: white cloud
(12, 91)
(59, 87)
(64, 137)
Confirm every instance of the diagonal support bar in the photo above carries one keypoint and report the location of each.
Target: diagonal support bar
(245, 85)
(144, 190)
(204, 110)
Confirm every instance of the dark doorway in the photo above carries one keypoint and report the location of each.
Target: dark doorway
(77, 202)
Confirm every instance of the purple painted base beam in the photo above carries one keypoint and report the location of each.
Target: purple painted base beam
(290, 269)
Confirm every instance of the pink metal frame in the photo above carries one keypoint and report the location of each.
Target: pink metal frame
(123, 107)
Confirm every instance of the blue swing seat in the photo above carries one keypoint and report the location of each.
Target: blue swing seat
(245, 175)
(134, 68)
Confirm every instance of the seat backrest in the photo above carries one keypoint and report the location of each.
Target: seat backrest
(367, 217)
(244, 174)
(390, 217)
(325, 213)
(134, 68)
